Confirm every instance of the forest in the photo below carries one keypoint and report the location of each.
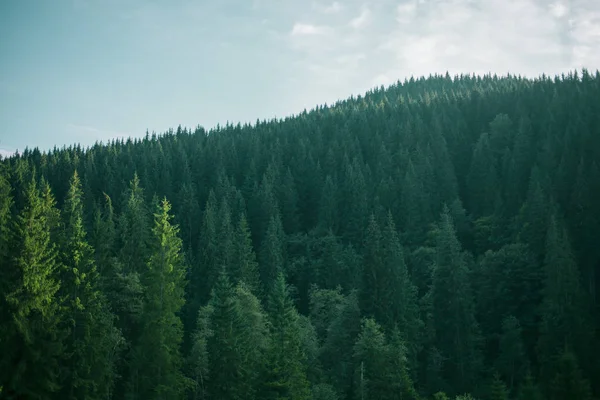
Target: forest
(434, 239)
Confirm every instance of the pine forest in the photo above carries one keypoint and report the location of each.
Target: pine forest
(434, 239)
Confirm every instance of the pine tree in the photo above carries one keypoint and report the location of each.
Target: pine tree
(529, 389)
(230, 342)
(511, 361)
(336, 355)
(400, 293)
(33, 342)
(563, 308)
(244, 265)
(134, 229)
(498, 389)
(373, 288)
(206, 272)
(455, 327)
(568, 383)
(285, 376)
(272, 254)
(400, 383)
(483, 179)
(7, 271)
(369, 362)
(92, 346)
(157, 362)
(103, 238)
(328, 206)
(6, 209)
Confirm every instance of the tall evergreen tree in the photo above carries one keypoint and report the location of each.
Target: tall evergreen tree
(336, 355)
(244, 264)
(133, 229)
(32, 344)
(92, 347)
(456, 330)
(564, 307)
(512, 360)
(285, 376)
(273, 254)
(157, 361)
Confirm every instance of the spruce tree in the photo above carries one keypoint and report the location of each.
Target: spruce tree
(568, 382)
(369, 362)
(564, 309)
(157, 362)
(529, 389)
(272, 254)
(92, 346)
(244, 264)
(32, 345)
(400, 293)
(230, 342)
(455, 327)
(498, 389)
(512, 360)
(336, 355)
(285, 375)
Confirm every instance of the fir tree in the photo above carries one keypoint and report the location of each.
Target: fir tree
(157, 362)
(456, 330)
(92, 347)
(32, 344)
(285, 371)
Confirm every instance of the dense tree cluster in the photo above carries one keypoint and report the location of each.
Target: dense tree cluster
(431, 240)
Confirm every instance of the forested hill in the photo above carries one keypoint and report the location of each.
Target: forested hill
(440, 235)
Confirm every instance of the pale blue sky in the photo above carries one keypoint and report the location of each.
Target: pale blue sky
(87, 70)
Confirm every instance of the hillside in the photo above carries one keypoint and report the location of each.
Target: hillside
(438, 235)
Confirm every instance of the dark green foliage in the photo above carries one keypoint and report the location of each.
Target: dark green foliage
(498, 389)
(229, 344)
(456, 330)
(512, 360)
(568, 382)
(156, 359)
(244, 267)
(32, 340)
(93, 344)
(272, 254)
(285, 369)
(323, 220)
(564, 308)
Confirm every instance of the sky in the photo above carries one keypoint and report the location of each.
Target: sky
(81, 71)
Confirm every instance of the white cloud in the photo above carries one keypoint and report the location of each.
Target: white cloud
(463, 36)
(362, 20)
(300, 29)
(558, 9)
(332, 8)
(405, 12)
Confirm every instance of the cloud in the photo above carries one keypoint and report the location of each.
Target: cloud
(332, 8)
(527, 37)
(362, 20)
(4, 153)
(558, 9)
(405, 12)
(300, 29)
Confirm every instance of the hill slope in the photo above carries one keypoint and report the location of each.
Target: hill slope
(439, 235)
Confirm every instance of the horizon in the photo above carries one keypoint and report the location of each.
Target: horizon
(93, 71)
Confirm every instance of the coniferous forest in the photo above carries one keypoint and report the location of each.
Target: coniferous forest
(436, 239)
